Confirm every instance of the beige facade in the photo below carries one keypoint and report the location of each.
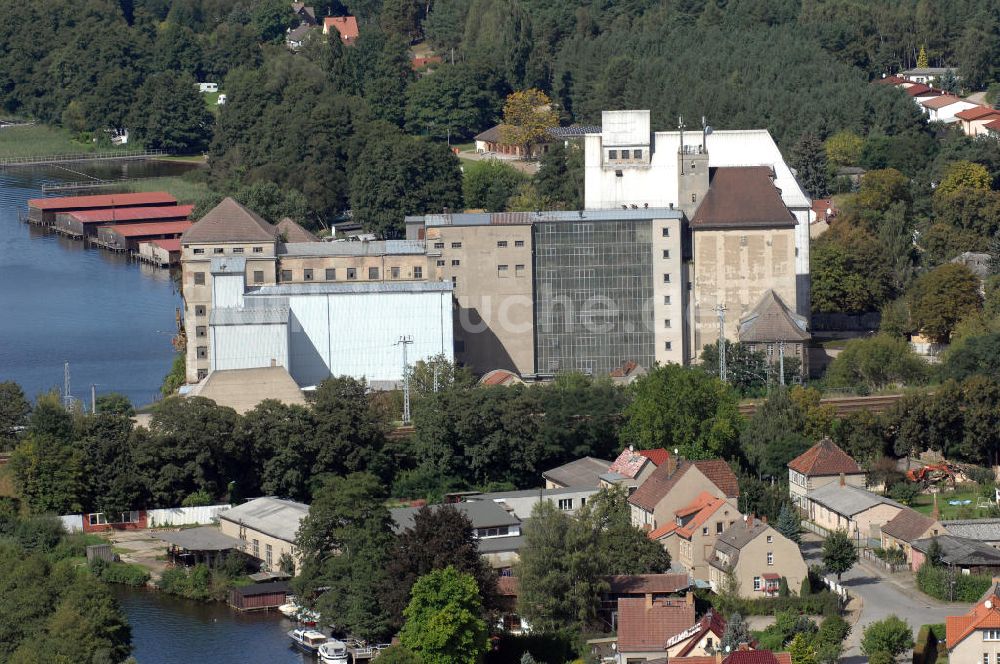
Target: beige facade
(683, 492)
(695, 549)
(768, 553)
(861, 526)
(670, 278)
(380, 267)
(982, 645)
(800, 484)
(734, 268)
(491, 269)
(266, 548)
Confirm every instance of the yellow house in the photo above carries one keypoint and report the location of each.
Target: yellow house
(975, 637)
(755, 557)
(266, 528)
(676, 484)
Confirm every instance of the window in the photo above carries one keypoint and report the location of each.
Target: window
(307, 274)
(991, 635)
(666, 232)
(770, 539)
(286, 275)
(331, 274)
(619, 174)
(268, 555)
(394, 272)
(694, 198)
(770, 558)
(756, 583)
(418, 273)
(199, 310)
(666, 323)
(986, 658)
(502, 271)
(456, 245)
(202, 374)
(237, 250)
(440, 263)
(201, 331)
(666, 277)
(373, 273)
(666, 299)
(456, 263)
(199, 251)
(256, 548)
(704, 530)
(518, 270)
(439, 245)
(612, 154)
(454, 281)
(202, 352)
(501, 243)
(258, 276)
(352, 273)
(666, 253)
(199, 278)
(637, 154)
(218, 250)
(518, 243)
(258, 250)
(97, 519)
(718, 527)
(668, 345)
(565, 503)
(583, 501)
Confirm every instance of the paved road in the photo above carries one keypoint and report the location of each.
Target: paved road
(883, 595)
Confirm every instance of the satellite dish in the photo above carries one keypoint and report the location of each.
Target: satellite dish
(988, 604)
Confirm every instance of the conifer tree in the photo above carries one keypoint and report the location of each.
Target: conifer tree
(788, 523)
(922, 58)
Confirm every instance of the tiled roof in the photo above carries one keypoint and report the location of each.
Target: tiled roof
(102, 201)
(711, 623)
(742, 197)
(230, 222)
(734, 538)
(771, 321)
(630, 461)
(702, 515)
(643, 628)
(663, 531)
(148, 228)
(825, 458)
(941, 101)
(984, 530)
(993, 126)
(758, 657)
(583, 472)
(347, 26)
(961, 551)
(290, 231)
(170, 244)
(640, 584)
(104, 215)
(848, 500)
(921, 90)
(980, 617)
(889, 80)
(908, 525)
(500, 377)
(975, 113)
(661, 481)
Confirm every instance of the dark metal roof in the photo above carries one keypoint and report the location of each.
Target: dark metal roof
(742, 197)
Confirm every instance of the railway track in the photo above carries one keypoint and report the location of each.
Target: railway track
(844, 405)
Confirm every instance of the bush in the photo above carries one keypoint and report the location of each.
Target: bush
(937, 582)
(892, 555)
(904, 492)
(819, 603)
(121, 573)
(199, 583)
(549, 648)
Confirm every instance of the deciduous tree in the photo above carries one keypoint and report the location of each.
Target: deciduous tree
(444, 624)
(942, 297)
(891, 635)
(170, 114)
(839, 554)
(876, 363)
(527, 118)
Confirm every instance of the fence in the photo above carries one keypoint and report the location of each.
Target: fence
(869, 556)
(73, 523)
(82, 156)
(184, 516)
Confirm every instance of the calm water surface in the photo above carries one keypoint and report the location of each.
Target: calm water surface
(111, 319)
(169, 630)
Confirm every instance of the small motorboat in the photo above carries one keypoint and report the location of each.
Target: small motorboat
(290, 609)
(333, 652)
(308, 640)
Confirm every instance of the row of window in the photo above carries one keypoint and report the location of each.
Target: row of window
(330, 274)
(235, 250)
(454, 263)
(504, 271)
(502, 244)
(624, 154)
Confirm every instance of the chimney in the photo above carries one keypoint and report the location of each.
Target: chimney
(749, 521)
(689, 598)
(763, 520)
(843, 480)
(649, 601)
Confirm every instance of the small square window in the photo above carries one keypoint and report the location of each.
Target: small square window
(456, 245)
(258, 250)
(418, 273)
(352, 273)
(237, 250)
(331, 274)
(770, 539)
(439, 245)
(666, 299)
(502, 271)
(373, 273)
(218, 250)
(454, 281)
(704, 530)
(666, 323)
(202, 374)
(612, 154)
(199, 278)
(456, 263)
(286, 275)
(694, 198)
(666, 278)
(666, 232)
(199, 310)
(518, 270)
(668, 345)
(198, 251)
(258, 276)
(202, 352)
(201, 331)
(394, 272)
(501, 243)
(666, 253)
(440, 263)
(307, 274)
(637, 154)
(518, 243)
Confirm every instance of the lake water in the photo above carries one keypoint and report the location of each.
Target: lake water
(111, 319)
(169, 630)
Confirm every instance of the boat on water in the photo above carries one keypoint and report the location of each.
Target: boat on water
(308, 640)
(333, 652)
(290, 609)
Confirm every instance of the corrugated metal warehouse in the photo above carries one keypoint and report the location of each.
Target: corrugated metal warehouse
(44, 210)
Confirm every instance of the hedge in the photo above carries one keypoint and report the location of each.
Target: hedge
(820, 603)
(123, 573)
(936, 582)
(925, 650)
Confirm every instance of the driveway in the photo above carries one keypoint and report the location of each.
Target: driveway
(882, 595)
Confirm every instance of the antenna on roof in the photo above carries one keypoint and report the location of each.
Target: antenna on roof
(680, 126)
(706, 129)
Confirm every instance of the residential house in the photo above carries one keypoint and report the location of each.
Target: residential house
(582, 473)
(921, 93)
(907, 527)
(744, 656)
(926, 75)
(702, 638)
(756, 556)
(859, 513)
(492, 141)
(266, 528)
(345, 26)
(305, 15)
(638, 586)
(508, 588)
(974, 120)
(673, 486)
(821, 464)
(775, 330)
(944, 108)
(296, 37)
(968, 555)
(633, 466)
(500, 377)
(981, 530)
(993, 129)
(521, 503)
(646, 625)
(975, 637)
(691, 538)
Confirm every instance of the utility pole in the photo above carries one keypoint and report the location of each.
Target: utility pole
(781, 362)
(405, 341)
(67, 397)
(721, 311)
(93, 398)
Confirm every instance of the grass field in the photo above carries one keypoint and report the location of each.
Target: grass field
(183, 189)
(924, 503)
(39, 140)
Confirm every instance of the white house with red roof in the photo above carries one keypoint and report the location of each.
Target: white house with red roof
(975, 637)
(633, 466)
(945, 107)
(974, 120)
(345, 26)
(821, 464)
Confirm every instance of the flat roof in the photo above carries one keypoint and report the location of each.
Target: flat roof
(251, 316)
(102, 201)
(524, 218)
(204, 538)
(482, 514)
(104, 215)
(349, 288)
(150, 228)
(353, 248)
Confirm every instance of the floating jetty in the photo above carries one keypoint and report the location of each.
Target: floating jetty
(110, 155)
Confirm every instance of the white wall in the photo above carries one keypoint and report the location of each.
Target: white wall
(184, 516)
(248, 346)
(227, 290)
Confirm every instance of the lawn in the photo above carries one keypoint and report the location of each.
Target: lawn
(39, 140)
(924, 503)
(183, 189)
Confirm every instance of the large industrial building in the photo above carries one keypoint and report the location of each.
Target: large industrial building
(682, 232)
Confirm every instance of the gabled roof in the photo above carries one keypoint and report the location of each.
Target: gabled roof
(485, 514)
(983, 530)
(230, 222)
(984, 615)
(993, 126)
(735, 537)
(704, 512)
(662, 480)
(976, 113)
(646, 627)
(742, 197)
(277, 517)
(711, 623)
(758, 657)
(889, 80)
(500, 377)
(291, 231)
(921, 90)
(585, 472)
(848, 500)
(147, 229)
(909, 525)
(825, 458)
(941, 101)
(630, 461)
(771, 321)
(104, 215)
(347, 26)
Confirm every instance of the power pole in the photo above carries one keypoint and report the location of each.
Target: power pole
(721, 311)
(93, 398)
(781, 362)
(67, 397)
(405, 341)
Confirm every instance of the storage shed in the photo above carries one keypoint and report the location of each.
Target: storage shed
(126, 237)
(78, 223)
(43, 210)
(259, 596)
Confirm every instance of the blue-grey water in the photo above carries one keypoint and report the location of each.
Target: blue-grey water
(110, 318)
(169, 630)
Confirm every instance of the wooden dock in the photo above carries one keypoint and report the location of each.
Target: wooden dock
(111, 155)
(84, 185)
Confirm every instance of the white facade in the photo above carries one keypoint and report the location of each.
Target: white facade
(947, 113)
(652, 180)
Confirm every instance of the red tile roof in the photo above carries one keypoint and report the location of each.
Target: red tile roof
(825, 458)
(663, 531)
(661, 481)
(630, 461)
(742, 197)
(640, 584)
(104, 215)
(980, 616)
(711, 623)
(976, 112)
(908, 525)
(658, 456)
(703, 514)
(890, 80)
(643, 627)
(919, 90)
(500, 377)
(940, 102)
(168, 244)
(148, 229)
(758, 657)
(347, 26)
(102, 201)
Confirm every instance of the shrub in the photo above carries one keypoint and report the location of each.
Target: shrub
(938, 582)
(121, 573)
(892, 555)
(199, 583)
(820, 603)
